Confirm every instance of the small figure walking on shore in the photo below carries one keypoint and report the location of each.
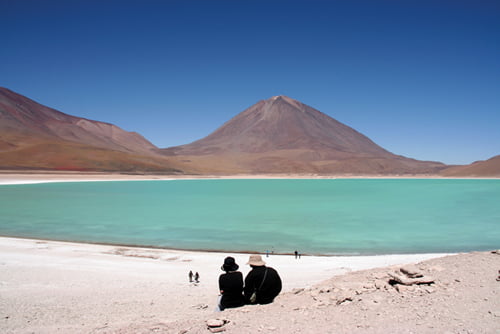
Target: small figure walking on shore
(197, 277)
(296, 254)
(190, 276)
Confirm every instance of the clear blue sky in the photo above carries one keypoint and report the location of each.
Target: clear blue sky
(420, 78)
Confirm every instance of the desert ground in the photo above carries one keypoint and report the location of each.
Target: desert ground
(61, 287)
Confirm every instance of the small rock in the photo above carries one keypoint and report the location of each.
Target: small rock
(378, 275)
(404, 279)
(369, 286)
(404, 288)
(411, 271)
(297, 290)
(379, 284)
(215, 322)
(428, 289)
(343, 299)
(216, 329)
(201, 306)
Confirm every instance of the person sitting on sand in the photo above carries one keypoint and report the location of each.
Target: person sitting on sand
(231, 285)
(264, 281)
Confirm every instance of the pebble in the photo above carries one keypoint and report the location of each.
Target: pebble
(379, 284)
(215, 322)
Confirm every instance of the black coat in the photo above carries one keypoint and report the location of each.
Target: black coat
(270, 288)
(231, 287)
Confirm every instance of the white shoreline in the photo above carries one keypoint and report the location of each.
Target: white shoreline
(18, 179)
(303, 272)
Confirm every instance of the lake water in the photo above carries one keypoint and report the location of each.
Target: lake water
(324, 216)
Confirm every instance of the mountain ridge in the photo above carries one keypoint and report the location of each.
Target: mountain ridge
(279, 135)
(482, 168)
(35, 136)
(18, 111)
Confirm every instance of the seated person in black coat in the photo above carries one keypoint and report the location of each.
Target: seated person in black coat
(231, 285)
(263, 280)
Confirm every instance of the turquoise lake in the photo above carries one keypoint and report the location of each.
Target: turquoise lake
(319, 216)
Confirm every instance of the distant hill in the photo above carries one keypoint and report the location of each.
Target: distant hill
(487, 168)
(33, 136)
(283, 135)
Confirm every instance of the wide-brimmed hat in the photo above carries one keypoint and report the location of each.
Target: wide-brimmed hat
(256, 260)
(229, 264)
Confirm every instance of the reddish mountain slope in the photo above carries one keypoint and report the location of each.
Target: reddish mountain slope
(21, 115)
(282, 135)
(282, 123)
(34, 136)
(487, 168)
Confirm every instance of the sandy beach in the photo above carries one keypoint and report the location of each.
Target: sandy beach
(50, 286)
(60, 287)
(63, 287)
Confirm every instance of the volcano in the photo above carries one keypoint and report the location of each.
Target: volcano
(283, 135)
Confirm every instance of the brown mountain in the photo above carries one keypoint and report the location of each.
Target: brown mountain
(34, 136)
(487, 168)
(282, 135)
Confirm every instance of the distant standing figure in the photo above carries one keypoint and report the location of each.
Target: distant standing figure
(197, 277)
(190, 276)
(296, 254)
(231, 285)
(267, 253)
(262, 280)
